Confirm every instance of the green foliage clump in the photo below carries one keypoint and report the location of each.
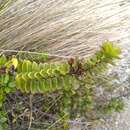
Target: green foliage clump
(41, 78)
(105, 55)
(7, 85)
(71, 80)
(3, 120)
(114, 104)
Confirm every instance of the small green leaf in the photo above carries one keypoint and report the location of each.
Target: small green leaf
(3, 120)
(3, 60)
(42, 86)
(15, 62)
(6, 79)
(35, 66)
(1, 128)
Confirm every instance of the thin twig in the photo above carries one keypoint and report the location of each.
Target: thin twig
(56, 122)
(30, 102)
(36, 53)
(53, 104)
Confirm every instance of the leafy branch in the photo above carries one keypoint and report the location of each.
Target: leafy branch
(71, 80)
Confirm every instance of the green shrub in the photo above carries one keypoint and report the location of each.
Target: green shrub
(71, 80)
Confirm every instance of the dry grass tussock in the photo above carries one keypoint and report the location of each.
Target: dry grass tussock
(63, 27)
